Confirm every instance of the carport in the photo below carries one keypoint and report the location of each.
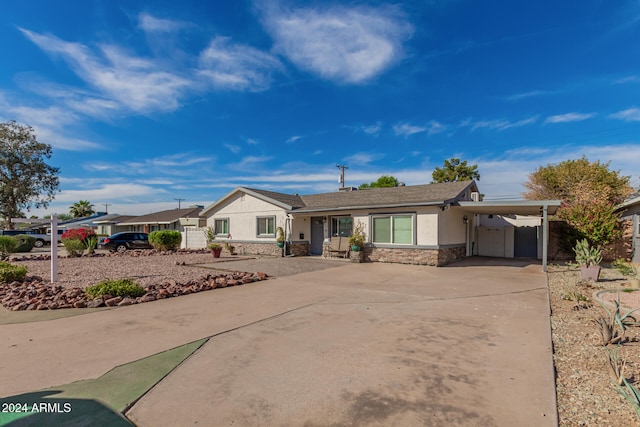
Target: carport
(534, 208)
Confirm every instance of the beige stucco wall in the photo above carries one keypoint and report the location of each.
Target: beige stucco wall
(243, 211)
(451, 227)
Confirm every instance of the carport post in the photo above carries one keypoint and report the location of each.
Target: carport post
(54, 241)
(545, 237)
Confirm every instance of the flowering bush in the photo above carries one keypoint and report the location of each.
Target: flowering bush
(77, 234)
(76, 240)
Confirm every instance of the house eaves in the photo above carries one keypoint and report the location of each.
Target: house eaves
(513, 207)
(360, 207)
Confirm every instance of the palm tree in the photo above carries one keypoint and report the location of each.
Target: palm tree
(81, 209)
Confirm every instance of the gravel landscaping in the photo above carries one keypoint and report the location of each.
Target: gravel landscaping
(586, 391)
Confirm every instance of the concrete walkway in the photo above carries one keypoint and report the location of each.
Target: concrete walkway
(357, 344)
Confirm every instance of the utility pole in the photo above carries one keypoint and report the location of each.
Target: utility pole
(342, 168)
(106, 206)
(179, 200)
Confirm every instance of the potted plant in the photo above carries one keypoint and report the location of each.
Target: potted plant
(357, 238)
(589, 259)
(280, 237)
(228, 246)
(216, 249)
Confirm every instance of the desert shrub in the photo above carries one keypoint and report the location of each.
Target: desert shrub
(10, 272)
(24, 242)
(75, 240)
(7, 246)
(75, 248)
(165, 240)
(115, 288)
(91, 243)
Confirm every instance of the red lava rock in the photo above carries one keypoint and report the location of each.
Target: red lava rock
(34, 294)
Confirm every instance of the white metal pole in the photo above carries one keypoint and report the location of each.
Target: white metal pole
(54, 248)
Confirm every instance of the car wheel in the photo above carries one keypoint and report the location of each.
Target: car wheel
(39, 243)
(121, 248)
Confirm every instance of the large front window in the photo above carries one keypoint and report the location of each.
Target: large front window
(341, 226)
(221, 226)
(396, 229)
(266, 226)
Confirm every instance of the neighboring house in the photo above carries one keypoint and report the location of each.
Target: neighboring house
(110, 224)
(84, 222)
(172, 219)
(630, 211)
(432, 224)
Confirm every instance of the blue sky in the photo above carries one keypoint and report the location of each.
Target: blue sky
(146, 102)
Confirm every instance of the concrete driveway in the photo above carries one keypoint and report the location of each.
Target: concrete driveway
(357, 344)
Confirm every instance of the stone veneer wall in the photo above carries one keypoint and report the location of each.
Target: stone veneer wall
(417, 256)
(270, 249)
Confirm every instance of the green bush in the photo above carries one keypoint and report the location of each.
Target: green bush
(115, 288)
(25, 242)
(74, 247)
(7, 246)
(165, 240)
(11, 272)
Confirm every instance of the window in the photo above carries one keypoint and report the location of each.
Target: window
(221, 226)
(341, 226)
(396, 229)
(266, 226)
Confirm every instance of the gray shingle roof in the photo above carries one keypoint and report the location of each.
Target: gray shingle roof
(164, 217)
(392, 196)
(292, 200)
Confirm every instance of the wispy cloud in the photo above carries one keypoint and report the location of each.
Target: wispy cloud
(151, 24)
(406, 129)
(339, 43)
(232, 66)
(502, 124)
(362, 159)
(235, 149)
(173, 164)
(569, 117)
(434, 127)
(137, 83)
(293, 139)
(629, 115)
(523, 95)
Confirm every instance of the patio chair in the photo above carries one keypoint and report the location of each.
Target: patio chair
(339, 246)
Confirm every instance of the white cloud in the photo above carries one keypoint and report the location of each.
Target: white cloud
(139, 84)
(237, 67)
(107, 192)
(343, 44)
(503, 124)
(434, 127)
(628, 115)
(569, 117)
(235, 149)
(406, 129)
(362, 159)
(293, 139)
(151, 24)
(373, 129)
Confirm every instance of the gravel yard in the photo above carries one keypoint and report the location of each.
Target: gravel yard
(585, 390)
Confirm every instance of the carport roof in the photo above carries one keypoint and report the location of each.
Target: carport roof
(511, 207)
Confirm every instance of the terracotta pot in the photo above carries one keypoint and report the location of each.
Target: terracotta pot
(216, 252)
(590, 273)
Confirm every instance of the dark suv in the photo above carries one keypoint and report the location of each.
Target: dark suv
(120, 242)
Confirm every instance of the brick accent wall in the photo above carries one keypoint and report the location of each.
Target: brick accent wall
(416, 256)
(270, 249)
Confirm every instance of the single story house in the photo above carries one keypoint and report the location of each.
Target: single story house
(172, 219)
(432, 224)
(110, 224)
(630, 210)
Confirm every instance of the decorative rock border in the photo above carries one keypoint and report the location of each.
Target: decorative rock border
(34, 294)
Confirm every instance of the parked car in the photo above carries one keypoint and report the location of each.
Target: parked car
(41, 239)
(120, 242)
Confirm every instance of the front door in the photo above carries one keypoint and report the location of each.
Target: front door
(317, 235)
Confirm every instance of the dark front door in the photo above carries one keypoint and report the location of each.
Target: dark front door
(526, 242)
(317, 235)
